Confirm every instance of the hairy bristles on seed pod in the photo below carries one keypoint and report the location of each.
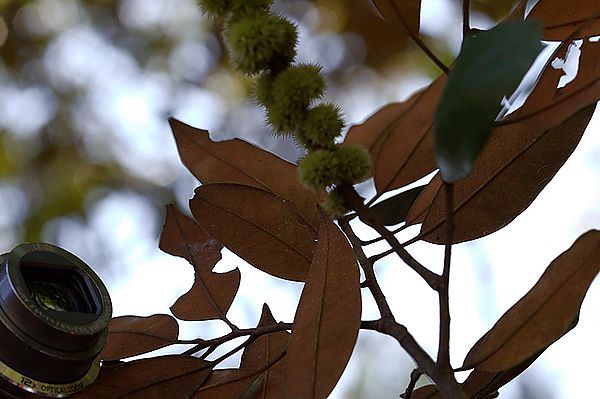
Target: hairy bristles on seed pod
(263, 88)
(298, 86)
(342, 164)
(291, 92)
(319, 129)
(261, 42)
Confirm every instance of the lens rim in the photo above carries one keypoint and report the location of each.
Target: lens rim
(19, 286)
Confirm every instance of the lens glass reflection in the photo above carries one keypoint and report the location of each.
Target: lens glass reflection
(60, 291)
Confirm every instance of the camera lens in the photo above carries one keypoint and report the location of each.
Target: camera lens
(54, 315)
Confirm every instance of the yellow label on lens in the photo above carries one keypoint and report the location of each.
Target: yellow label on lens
(47, 389)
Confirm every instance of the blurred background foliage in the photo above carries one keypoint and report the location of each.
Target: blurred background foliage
(87, 160)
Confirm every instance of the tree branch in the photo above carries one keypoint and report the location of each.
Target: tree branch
(212, 344)
(368, 267)
(367, 217)
(443, 294)
(444, 380)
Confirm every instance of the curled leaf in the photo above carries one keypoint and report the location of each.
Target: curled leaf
(133, 335)
(327, 319)
(260, 227)
(212, 293)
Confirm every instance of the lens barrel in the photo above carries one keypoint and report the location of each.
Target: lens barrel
(54, 315)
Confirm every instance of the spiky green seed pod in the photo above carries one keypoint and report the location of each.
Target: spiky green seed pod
(335, 203)
(324, 168)
(263, 87)
(215, 8)
(323, 123)
(296, 87)
(242, 8)
(284, 121)
(261, 42)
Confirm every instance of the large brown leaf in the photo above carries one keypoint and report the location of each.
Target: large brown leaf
(133, 335)
(403, 14)
(260, 354)
(399, 138)
(511, 171)
(561, 18)
(545, 313)
(258, 226)
(212, 293)
(236, 161)
(548, 106)
(327, 319)
(173, 377)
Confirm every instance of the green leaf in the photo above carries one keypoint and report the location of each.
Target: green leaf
(394, 209)
(489, 67)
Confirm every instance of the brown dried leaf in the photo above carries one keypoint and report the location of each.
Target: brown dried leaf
(545, 313)
(173, 377)
(419, 208)
(212, 293)
(261, 353)
(561, 18)
(258, 226)
(511, 171)
(133, 335)
(403, 14)
(548, 106)
(485, 384)
(399, 138)
(236, 161)
(227, 384)
(327, 319)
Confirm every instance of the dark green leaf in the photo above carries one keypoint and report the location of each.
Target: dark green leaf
(489, 67)
(394, 209)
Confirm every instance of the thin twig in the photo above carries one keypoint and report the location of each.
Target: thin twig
(382, 255)
(444, 380)
(367, 217)
(466, 18)
(414, 378)
(367, 265)
(215, 342)
(444, 341)
(374, 240)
